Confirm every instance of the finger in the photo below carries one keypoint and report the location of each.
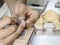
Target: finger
(14, 35)
(7, 31)
(4, 21)
(34, 15)
(29, 22)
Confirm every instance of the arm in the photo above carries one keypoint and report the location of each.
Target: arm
(11, 3)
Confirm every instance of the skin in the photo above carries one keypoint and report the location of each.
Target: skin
(33, 16)
(4, 21)
(7, 31)
(22, 12)
(11, 3)
(19, 13)
(13, 36)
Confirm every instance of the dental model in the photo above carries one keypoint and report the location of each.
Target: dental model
(48, 17)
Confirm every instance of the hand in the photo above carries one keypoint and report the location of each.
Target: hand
(22, 11)
(8, 37)
(19, 10)
(33, 16)
(8, 33)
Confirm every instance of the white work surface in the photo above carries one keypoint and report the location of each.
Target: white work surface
(47, 39)
(51, 6)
